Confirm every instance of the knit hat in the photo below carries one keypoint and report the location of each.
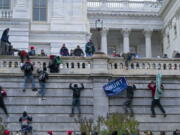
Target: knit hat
(52, 57)
(69, 132)
(6, 132)
(50, 132)
(32, 47)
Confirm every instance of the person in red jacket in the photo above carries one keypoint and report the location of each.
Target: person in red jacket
(155, 102)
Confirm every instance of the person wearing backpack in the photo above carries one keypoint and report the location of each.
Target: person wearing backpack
(43, 76)
(2, 105)
(28, 76)
(25, 122)
(54, 63)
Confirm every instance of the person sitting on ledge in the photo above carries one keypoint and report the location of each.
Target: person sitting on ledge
(64, 51)
(78, 51)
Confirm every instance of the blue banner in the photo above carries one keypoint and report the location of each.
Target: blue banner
(115, 87)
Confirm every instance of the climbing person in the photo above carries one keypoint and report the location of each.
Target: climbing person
(43, 77)
(28, 75)
(130, 95)
(76, 97)
(25, 120)
(2, 105)
(157, 90)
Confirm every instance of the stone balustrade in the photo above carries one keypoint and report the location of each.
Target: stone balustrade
(98, 65)
(124, 4)
(5, 13)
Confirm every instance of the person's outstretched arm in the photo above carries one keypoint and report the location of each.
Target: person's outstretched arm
(82, 86)
(70, 85)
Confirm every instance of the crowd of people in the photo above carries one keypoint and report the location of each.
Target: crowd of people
(54, 61)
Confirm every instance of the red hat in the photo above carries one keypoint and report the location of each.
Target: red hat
(50, 132)
(51, 57)
(23, 53)
(32, 47)
(7, 132)
(69, 132)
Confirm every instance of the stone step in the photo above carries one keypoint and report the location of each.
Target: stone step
(139, 110)
(48, 126)
(66, 92)
(61, 101)
(48, 118)
(66, 101)
(146, 101)
(86, 85)
(17, 92)
(47, 109)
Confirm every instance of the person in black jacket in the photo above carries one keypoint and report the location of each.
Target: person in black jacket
(25, 122)
(28, 69)
(76, 97)
(78, 51)
(2, 105)
(43, 76)
(130, 95)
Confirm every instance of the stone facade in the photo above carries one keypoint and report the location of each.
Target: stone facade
(141, 27)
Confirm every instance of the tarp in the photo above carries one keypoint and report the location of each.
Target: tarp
(115, 87)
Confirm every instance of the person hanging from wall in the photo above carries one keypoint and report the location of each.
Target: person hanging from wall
(43, 76)
(78, 51)
(76, 97)
(5, 44)
(25, 122)
(54, 63)
(2, 105)
(28, 75)
(64, 50)
(130, 95)
(157, 90)
(89, 48)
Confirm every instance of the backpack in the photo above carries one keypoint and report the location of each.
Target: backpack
(42, 76)
(58, 60)
(27, 67)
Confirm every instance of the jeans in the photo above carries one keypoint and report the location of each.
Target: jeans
(76, 103)
(42, 90)
(89, 54)
(31, 78)
(128, 105)
(156, 102)
(26, 128)
(2, 105)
